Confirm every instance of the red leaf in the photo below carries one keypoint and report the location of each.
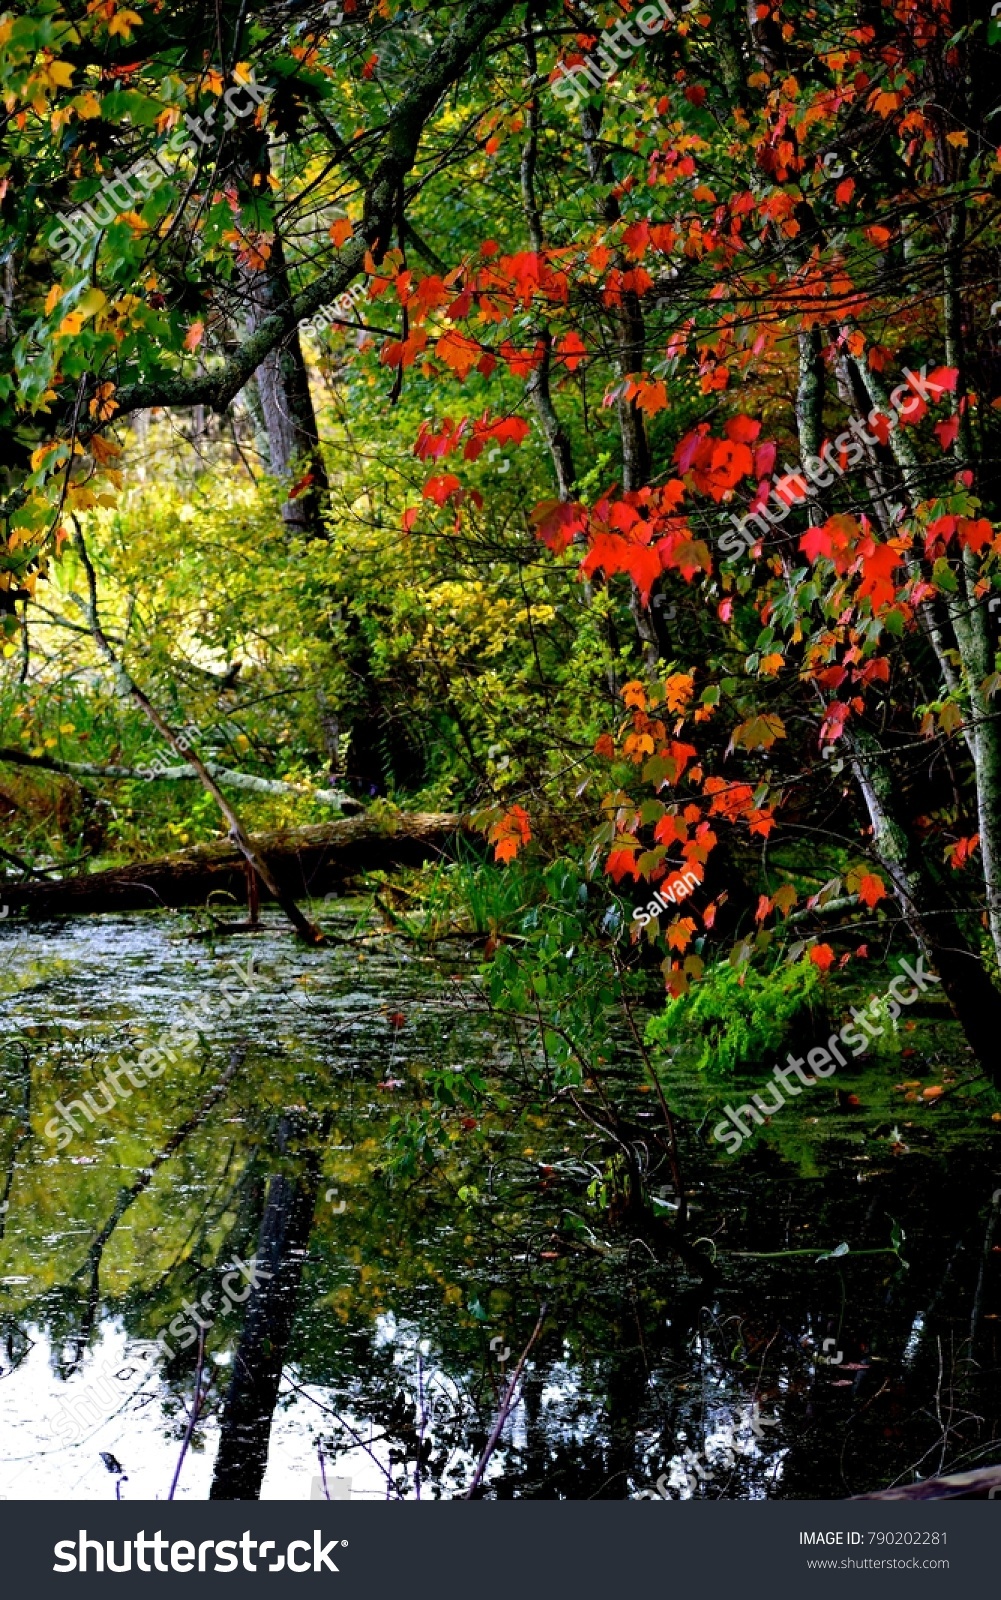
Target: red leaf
(620, 862)
(944, 377)
(742, 430)
(571, 350)
(816, 542)
(822, 956)
(441, 489)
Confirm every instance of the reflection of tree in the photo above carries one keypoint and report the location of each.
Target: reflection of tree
(22, 1118)
(129, 1195)
(257, 1368)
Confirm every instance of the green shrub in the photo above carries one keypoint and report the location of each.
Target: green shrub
(736, 1017)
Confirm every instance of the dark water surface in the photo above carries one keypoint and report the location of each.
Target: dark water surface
(399, 1278)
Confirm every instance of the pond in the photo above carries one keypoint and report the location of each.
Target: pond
(299, 1260)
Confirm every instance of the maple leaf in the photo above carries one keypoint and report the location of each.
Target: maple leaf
(822, 956)
(785, 898)
(509, 833)
(764, 907)
(620, 862)
(879, 562)
(759, 732)
(946, 431)
(571, 350)
(651, 397)
(459, 352)
(871, 889)
(604, 745)
(340, 230)
(959, 853)
(816, 542)
(510, 430)
(123, 22)
(678, 690)
(742, 430)
(441, 488)
(944, 378)
(679, 934)
(194, 336)
(975, 535)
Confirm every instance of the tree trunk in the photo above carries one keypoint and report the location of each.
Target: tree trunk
(257, 1367)
(283, 386)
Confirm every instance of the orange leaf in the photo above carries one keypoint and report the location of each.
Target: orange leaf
(822, 956)
(871, 889)
(340, 230)
(509, 834)
(459, 352)
(194, 336)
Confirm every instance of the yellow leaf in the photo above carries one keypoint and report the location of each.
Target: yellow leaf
(87, 104)
(80, 499)
(678, 690)
(759, 732)
(123, 22)
(53, 298)
(60, 73)
(91, 302)
(960, 139)
(38, 456)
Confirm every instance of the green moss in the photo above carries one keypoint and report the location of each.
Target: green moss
(736, 1017)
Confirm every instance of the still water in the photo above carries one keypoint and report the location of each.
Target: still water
(302, 1260)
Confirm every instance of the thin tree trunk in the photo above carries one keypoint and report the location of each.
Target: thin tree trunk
(305, 929)
(966, 984)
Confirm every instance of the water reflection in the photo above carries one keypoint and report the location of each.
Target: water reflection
(389, 1296)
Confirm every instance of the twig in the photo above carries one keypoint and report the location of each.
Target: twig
(306, 930)
(506, 1404)
(196, 1406)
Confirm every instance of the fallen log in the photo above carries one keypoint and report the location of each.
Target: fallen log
(307, 861)
(982, 1484)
